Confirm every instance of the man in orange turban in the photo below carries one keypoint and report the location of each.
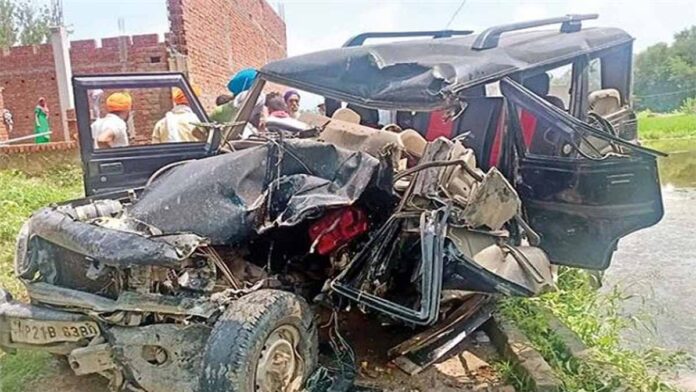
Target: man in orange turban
(178, 124)
(111, 130)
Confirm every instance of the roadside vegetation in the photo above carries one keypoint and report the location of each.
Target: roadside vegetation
(595, 316)
(655, 126)
(22, 193)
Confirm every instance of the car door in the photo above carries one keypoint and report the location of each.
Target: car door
(580, 201)
(109, 170)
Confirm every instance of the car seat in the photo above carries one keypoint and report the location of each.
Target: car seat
(605, 102)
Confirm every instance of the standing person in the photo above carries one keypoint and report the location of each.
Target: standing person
(111, 130)
(178, 124)
(95, 97)
(242, 81)
(7, 119)
(41, 122)
(292, 100)
(225, 109)
(278, 115)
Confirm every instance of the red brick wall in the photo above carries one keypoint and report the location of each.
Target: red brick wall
(27, 73)
(221, 37)
(36, 148)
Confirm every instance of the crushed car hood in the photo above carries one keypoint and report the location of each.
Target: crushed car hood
(229, 197)
(418, 74)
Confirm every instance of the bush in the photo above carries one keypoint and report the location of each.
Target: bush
(688, 106)
(597, 319)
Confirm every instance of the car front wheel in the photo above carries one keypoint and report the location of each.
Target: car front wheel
(264, 342)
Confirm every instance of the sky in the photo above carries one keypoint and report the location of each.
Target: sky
(320, 24)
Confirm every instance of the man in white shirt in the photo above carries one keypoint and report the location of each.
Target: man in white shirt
(111, 130)
(178, 125)
(95, 97)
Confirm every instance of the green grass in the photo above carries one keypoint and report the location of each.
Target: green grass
(595, 317)
(666, 126)
(20, 195)
(17, 370)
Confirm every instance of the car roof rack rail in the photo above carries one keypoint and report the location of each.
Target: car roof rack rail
(360, 39)
(489, 38)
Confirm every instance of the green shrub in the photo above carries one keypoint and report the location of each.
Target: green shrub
(688, 106)
(597, 319)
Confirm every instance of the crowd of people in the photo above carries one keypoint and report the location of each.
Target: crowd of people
(110, 129)
(181, 124)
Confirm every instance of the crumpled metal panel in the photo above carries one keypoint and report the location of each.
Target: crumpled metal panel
(421, 75)
(126, 301)
(492, 203)
(108, 246)
(482, 199)
(481, 262)
(230, 197)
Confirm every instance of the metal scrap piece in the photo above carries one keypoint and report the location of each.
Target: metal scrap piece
(127, 301)
(424, 349)
(161, 357)
(492, 203)
(91, 359)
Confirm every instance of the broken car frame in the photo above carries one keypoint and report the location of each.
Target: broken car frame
(191, 266)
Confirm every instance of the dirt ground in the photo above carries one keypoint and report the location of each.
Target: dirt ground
(466, 368)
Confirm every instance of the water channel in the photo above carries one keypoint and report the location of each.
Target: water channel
(657, 265)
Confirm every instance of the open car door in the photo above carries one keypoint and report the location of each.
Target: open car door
(579, 195)
(109, 170)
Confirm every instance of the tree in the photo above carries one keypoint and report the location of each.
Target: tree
(23, 22)
(34, 22)
(8, 25)
(665, 75)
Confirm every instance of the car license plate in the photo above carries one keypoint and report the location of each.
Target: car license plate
(42, 332)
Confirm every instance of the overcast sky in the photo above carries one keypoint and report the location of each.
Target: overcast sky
(320, 24)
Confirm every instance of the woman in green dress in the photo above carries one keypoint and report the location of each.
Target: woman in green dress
(41, 121)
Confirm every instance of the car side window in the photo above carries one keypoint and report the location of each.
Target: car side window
(560, 85)
(594, 74)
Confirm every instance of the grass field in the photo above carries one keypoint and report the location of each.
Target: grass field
(21, 194)
(666, 126)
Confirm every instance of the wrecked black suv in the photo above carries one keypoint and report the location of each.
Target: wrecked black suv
(192, 266)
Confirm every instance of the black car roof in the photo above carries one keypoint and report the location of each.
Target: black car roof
(421, 74)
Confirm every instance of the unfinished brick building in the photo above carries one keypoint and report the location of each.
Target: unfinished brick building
(208, 39)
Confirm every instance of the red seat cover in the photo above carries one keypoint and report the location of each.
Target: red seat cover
(438, 126)
(528, 122)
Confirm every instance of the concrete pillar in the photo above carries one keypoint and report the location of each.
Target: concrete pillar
(4, 132)
(61, 58)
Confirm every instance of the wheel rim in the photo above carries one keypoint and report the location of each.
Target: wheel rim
(280, 367)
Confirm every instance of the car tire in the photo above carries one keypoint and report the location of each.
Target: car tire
(265, 341)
